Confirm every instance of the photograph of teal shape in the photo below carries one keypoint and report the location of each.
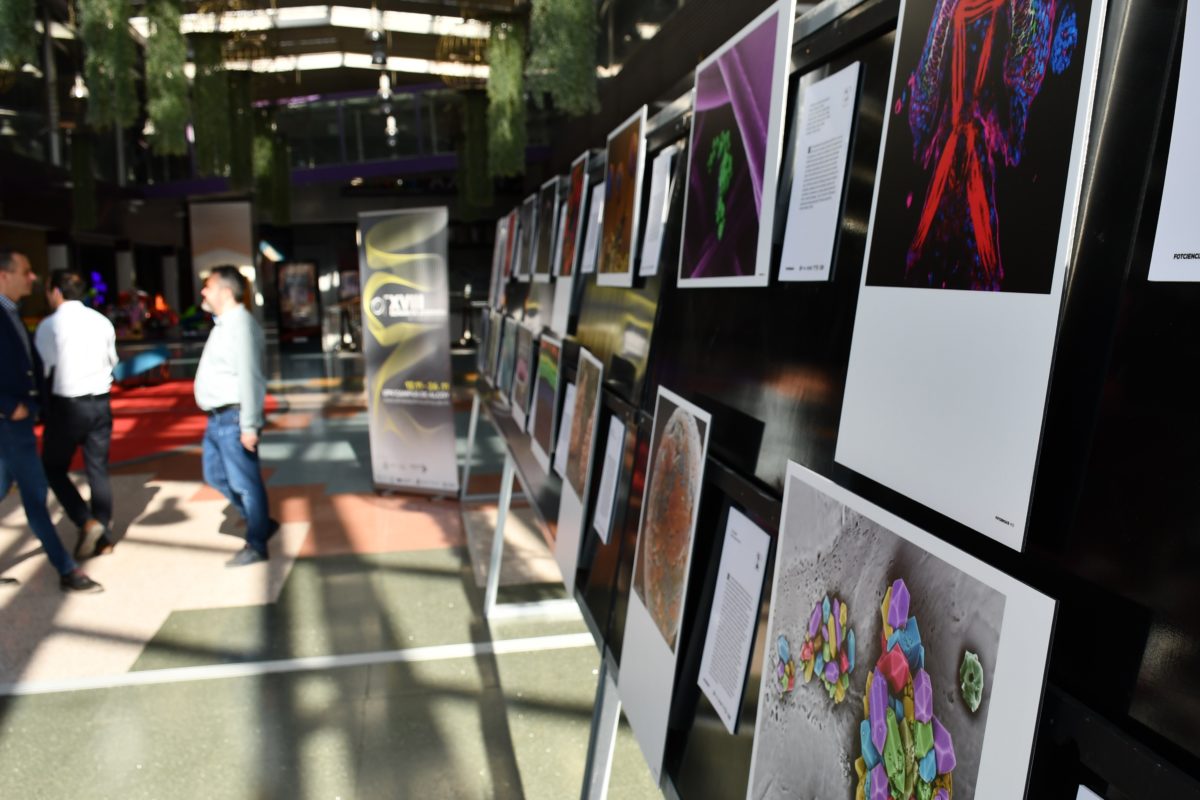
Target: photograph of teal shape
(883, 650)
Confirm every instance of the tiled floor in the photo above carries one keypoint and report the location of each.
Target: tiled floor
(355, 664)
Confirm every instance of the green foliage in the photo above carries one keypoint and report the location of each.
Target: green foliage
(506, 99)
(210, 107)
(241, 120)
(110, 60)
(562, 54)
(474, 182)
(83, 182)
(272, 174)
(18, 39)
(166, 85)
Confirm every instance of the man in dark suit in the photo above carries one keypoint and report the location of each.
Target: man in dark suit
(19, 459)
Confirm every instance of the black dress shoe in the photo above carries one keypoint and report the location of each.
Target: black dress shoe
(9, 582)
(76, 581)
(247, 555)
(272, 529)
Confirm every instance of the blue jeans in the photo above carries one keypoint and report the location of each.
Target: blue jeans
(234, 471)
(20, 462)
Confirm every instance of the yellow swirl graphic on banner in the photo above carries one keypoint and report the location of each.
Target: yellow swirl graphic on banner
(387, 239)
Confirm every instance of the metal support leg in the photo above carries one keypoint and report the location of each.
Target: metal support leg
(603, 738)
(466, 473)
(493, 577)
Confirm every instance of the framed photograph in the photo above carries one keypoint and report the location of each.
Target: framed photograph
(733, 155)
(547, 215)
(568, 251)
(622, 201)
(969, 238)
(544, 422)
(907, 667)
(522, 377)
(666, 531)
(508, 358)
(526, 241)
(580, 448)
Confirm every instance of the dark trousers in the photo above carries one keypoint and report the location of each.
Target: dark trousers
(234, 471)
(19, 462)
(74, 422)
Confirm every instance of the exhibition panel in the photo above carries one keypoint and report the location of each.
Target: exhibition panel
(946, 330)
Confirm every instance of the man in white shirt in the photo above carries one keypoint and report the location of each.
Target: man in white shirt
(78, 347)
(231, 387)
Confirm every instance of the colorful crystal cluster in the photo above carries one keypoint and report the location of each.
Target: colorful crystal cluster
(827, 651)
(906, 751)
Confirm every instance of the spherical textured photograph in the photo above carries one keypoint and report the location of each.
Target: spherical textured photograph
(669, 517)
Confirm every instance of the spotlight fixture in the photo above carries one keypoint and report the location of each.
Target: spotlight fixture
(379, 55)
(385, 86)
(79, 89)
(390, 128)
(148, 129)
(386, 108)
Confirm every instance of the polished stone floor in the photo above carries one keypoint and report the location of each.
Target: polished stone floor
(356, 663)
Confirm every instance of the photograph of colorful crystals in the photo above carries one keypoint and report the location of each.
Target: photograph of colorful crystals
(827, 651)
(877, 675)
(906, 751)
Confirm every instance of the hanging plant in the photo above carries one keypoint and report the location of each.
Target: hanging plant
(241, 130)
(210, 107)
(18, 38)
(272, 173)
(506, 99)
(562, 54)
(83, 183)
(475, 184)
(166, 85)
(110, 58)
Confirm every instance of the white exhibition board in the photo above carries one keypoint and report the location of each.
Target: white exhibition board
(943, 603)
(662, 561)
(221, 233)
(822, 153)
(950, 358)
(1176, 254)
(656, 213)
(734, 619)
(591, 240)
(564, 431)
(614, 451)
(580, 440)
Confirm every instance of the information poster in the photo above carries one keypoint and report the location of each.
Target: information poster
(656, 214)
(583, 411)
(406, 348)
(499, 246)
(591, 242)
(614, 452)
(299, 313)
(564, 431)
(620, 223)
(730, 640)
(967, 248)
(510, 244)
(1176, 254)
(547, 215)
(733, 155)
(661, 565)
(822, 155)
(495, 338)
(545, 400)
(907, 667)
(573, 224)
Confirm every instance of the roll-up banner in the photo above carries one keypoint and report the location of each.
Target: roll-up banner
(406, 324)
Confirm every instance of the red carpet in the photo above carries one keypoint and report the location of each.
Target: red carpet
(149, 420)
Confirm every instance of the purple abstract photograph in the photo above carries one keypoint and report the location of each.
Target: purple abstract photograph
(733, 157)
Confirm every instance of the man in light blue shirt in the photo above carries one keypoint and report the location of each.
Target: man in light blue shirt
(230, 387)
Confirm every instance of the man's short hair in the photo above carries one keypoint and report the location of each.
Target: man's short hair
(8, 260)
(231, 278)
(71, 284)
